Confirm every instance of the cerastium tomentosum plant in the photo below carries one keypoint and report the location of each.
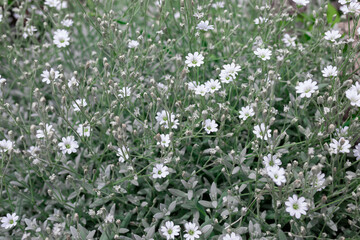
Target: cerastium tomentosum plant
(187, 119)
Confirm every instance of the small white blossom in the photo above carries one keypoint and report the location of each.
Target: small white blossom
(260, 20)
(9, 221)
(210, 126)
(42, 133)
(122, 153)
(6, 145)
(246, 112)
(192, 231)
(263, 53)
(212, 85)
(68, 145)
(160, 171)
(125, 92)
(204, 26)
(73, 82)
(133, 44)
(165, 140)
(330, 71)
(194, 60)
(306, 88)
(79, 103)
(271, 161)
(318, 182)
(232, 236)
(356, 151)
(301, 2)
(352, 8)
(2, 80)
(341, 146)
(61, 38)
(332, 35)
(289, 41)
(166, 119)
(262, 132)
(83, 130)
(67, 22)
(49, 76)
(296, 206)
(170, 230)
(277, 174)
(201, 90)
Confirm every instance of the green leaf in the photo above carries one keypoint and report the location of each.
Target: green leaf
(281, 235)
(331, 12)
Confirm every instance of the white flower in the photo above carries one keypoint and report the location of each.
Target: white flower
(166, 119)
(204, 26)
(262, 132)
(301, 2)
(122, 153)
(341, 146)
(277, 174)
(343, 2)
(201, 90)
(41, 133)
(83, 130)
(260, 20)
(353, 95)
(228, 74)
(212, 85)
(226, 77)
(2, 80)
(165, 140)
(289, 41)
(133, 44)
(210, 126)
(356, 152)
(78, 104)
(246, 112)
(263, 53)
(192, 85)
(330, 71)
(194, 60)
(73, 82)
(232, 236)
(62, 5)
(52, 3)
(6, 145)
(306, 88)
(160, 171)
(109, 218)
(358, 31)
(332, 35)
(29, 31)
(353, 8)
(61, 38)
(342, 131)
(296, 206)
(48, 76)
(319, 181)
(124, 92)
(271, 161)
(67, 22)
(68, 145)
(1, 17)
(170, 230)
(33, 151)
(9, 221)
(218, 5)
(192, 231)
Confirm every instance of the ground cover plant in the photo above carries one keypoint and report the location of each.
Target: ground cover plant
(186, 119)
